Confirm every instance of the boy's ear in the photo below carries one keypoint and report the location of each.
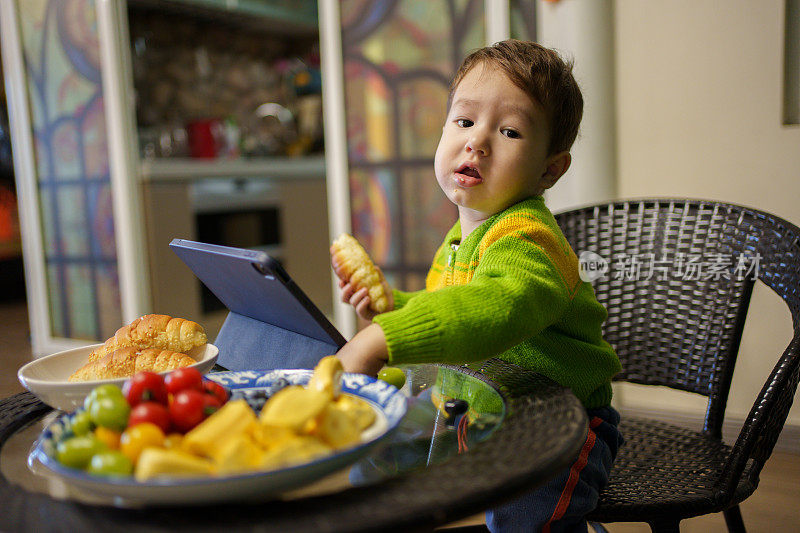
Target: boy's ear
(555, 167)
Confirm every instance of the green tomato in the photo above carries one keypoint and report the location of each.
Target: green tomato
(82, 423)
(101, 391)
(393, 376)
(110, 463)
(110, 412)
(76, 452)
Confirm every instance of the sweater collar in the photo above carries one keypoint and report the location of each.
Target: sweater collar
(454, 235)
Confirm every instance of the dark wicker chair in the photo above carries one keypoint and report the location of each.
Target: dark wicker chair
(684, 334)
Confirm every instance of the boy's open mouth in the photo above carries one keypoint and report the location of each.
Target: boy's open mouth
(467, 175)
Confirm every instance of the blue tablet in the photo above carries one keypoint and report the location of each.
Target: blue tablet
(272, 323)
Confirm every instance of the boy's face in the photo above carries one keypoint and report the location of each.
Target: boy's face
(493, 150)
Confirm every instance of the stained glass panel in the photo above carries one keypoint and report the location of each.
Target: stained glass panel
(79, 278)
(62, 59)
(421, 190)
(374, 209)
(55, 296)
(368, 99)
(71, 215)
(423, 104)
(67, 165)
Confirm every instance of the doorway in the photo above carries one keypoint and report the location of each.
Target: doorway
(12, 276)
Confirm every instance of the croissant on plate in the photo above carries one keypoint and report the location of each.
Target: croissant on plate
(126, 362)
(154, 331)
(354, 264)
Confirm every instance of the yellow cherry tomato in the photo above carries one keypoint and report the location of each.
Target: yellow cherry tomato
(108, 436)
(137, 438)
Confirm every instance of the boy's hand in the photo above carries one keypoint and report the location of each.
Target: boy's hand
(366, 353)
(359, 297)
(360, 300)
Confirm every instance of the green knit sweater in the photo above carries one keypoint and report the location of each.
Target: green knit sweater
(511, 289)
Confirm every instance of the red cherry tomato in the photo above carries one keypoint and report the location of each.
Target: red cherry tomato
(216, 390)
(211, 404)
(187, 409)
(152, 412)
(145, 387)
(184, 379)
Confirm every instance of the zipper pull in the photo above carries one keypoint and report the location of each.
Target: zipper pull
(452, 257)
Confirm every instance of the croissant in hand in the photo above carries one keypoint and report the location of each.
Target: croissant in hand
(354, 265)
(126, 362)
(155, 331)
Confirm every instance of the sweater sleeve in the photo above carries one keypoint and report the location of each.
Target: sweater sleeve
(516, 291)
(401, 298)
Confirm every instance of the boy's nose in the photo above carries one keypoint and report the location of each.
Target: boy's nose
(477, 144)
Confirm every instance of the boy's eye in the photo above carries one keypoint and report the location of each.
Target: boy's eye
(511, 134)
(464, 123)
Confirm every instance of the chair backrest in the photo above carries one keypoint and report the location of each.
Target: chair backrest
(680, 275)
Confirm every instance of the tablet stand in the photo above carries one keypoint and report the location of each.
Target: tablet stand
(248, 344)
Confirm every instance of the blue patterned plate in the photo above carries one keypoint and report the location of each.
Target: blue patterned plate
(388, 403)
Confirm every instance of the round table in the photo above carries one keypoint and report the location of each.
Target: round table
(542, 430)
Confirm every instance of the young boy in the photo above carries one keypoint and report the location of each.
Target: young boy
(505, 283)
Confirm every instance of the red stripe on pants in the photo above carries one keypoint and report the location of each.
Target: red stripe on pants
(574, 474)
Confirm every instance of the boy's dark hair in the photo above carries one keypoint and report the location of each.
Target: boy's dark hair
(544, 76)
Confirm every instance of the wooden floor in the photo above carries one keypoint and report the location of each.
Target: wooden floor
(16, 345)
(774, 508)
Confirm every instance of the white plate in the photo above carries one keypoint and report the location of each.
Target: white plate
(47, 377)
(388, 403)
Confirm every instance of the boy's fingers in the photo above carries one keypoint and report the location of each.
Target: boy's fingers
(364, 310)
(349, 287)
(358, 297)
(347, 292)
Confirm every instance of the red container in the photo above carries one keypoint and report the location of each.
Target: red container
(203, 138)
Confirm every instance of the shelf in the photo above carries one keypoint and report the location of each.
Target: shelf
(297, 18)
(252, 194)
(273, 168)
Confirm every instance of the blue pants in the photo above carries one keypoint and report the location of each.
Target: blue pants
(562, 504)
